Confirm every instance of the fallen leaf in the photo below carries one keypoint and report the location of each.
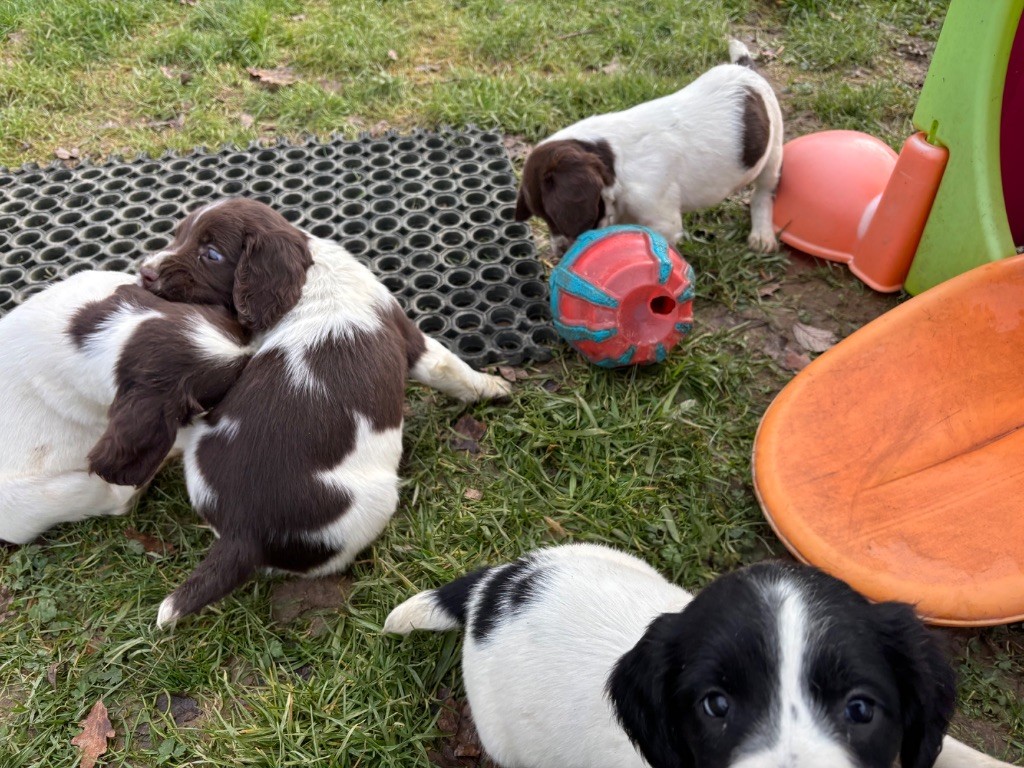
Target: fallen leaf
(150, 543)
(51, 674)
(813, 339)
(65, 154)
(96, 729)
(428, 67)
(298, 17)
(246, 120)
(468, 432)
(273, 78)
(183, 709)
(393, 55)
(189, 3)
(768, 289)
(473, 494)
(508, 373)
(555, 527)
(16, 37)
(794, 361)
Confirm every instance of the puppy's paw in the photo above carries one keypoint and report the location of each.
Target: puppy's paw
(167, 616)
(486, 387)
(763, 242)
(497, 388)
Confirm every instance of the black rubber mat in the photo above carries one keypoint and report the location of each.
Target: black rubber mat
(430, 213)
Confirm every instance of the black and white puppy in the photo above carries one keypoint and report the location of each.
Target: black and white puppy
(582, 655)
(297, 468)
(653, 162)
(99, 372)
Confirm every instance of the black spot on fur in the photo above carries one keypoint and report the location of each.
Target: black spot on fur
(756, 128)
(525, 589)
(508, 590)
(454, 597)
(745, 61)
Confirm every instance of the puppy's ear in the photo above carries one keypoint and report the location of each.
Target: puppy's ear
(269, 276)
(638, 688)
(925, 679)
(523, 210)
(139, 436)
(572, 196)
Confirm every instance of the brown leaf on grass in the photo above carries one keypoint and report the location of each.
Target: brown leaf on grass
(246, 120)
(189, 3)
(768, 289)
(150, 543)
(273, 78)
(51, 674)
(428, 67)
(813, 339)
(508, 373)
(393, 54)
(96, 729)
(298, 17)
(793, 360)
(555, 527)
(65, 154)
(473, 494)
(468, 432)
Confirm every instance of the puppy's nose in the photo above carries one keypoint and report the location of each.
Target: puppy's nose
(148, 275)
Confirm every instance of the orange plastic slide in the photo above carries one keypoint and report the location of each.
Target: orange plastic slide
(895, 461)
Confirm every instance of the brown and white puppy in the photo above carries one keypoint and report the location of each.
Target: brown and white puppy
(99, 374)
(297, 468)
(653, 162)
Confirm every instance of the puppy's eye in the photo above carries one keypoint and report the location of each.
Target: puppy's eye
(860, 710)
(212, 254)
(715, 704)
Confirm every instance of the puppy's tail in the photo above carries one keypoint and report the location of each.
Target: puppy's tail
(229, 563)
(437, 610)
(740, 54)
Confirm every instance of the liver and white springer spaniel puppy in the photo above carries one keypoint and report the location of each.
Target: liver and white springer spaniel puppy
(98, 372)
(297, 467)
(582, 655)
(653, 162)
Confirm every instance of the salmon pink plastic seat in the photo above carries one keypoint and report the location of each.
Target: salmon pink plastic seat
(895, 461)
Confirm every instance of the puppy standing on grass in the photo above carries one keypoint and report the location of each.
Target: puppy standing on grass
(297, 468)
(99, 372)
(582, 656)
(653, 162)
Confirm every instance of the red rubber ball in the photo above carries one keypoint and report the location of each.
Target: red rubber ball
(622, 296)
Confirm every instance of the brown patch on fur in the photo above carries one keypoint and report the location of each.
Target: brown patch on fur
(261, 274)
(756, 128)
(562, 184)
(264, 471)
(163, 380)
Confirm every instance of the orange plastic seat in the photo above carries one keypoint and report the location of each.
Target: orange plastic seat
(895, 461)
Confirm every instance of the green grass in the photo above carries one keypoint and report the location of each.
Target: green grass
(654, 460)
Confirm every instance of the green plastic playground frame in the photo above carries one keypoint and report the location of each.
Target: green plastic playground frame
(960, 108)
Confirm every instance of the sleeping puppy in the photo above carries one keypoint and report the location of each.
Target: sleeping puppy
(582, 655)
(651, 163)
(98, 371)
(297, 468)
